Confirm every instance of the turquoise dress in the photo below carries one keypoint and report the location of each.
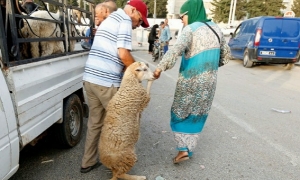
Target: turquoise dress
(196, 83)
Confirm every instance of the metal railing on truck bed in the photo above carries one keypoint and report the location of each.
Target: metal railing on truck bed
(51, 30)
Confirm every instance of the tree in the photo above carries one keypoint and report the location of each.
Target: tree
(161, 9)
(81, 4)
(296, 8)
(72, 2)
(264, 8)
(221, 10)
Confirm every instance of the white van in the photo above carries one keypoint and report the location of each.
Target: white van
(37, 94)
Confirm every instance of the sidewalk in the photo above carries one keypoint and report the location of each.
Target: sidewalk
(145, 44)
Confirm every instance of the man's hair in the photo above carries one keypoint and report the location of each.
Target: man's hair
(111, 5)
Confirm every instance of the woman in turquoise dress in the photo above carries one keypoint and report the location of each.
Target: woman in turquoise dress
(196, 85)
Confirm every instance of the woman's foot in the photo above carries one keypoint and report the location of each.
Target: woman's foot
(181, 156)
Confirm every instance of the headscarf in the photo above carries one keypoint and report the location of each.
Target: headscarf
(195, 10)
(153, 31)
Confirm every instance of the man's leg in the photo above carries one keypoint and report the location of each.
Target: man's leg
(96, 112)
(166, 48)
(98, 98)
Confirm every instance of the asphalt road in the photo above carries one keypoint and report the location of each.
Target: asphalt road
(242, 139)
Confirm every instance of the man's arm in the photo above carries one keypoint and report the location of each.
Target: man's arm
(168, 33)
(125, 56)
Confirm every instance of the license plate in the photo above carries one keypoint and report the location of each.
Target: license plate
(268, 53)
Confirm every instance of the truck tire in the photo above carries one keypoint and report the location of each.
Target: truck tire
(246, 61)
(69, 131)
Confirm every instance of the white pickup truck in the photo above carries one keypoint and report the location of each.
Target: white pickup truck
(37, 94)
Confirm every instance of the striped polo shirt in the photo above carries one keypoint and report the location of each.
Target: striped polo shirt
(103, 66)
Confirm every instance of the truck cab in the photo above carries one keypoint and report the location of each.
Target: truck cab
(9, 140)
(41, 92)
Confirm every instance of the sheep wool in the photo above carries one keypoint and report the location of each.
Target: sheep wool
(36, 28)
(120, 130)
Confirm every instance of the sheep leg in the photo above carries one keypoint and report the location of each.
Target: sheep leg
(35, 50)
(149, 84)
(131, 177)
(47, 48)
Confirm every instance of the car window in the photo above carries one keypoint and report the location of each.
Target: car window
(272, 27)
(237, 31)
(250, 26)
(290, 28)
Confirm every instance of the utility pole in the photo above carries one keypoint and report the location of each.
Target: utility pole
(154, 13)
(232, 12)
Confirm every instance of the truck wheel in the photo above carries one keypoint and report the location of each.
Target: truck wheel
(246, 61)
(70, 130)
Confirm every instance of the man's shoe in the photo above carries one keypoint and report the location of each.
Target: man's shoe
(88, 169)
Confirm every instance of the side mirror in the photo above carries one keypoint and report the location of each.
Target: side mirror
(231, 35)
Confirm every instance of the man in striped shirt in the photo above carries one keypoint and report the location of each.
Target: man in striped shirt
(108, 58)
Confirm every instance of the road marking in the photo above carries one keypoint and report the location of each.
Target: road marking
(294, 159)
(243, 124)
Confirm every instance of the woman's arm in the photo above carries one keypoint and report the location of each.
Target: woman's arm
(184, 41)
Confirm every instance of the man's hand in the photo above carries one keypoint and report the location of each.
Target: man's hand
(125, 57)
(157, 73)
(94, 31)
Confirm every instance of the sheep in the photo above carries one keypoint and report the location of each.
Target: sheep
(121, 125)
(84, 27)
(37, 28)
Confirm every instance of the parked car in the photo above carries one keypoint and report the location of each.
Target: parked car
(228, 30)
(266, 39)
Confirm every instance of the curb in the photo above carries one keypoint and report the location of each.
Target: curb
(136, 49)
(139, 50)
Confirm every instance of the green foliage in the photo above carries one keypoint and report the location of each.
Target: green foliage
(161, 10)
(264, 8)
(72, 2)
(121, 3)
(252, 8)
(296, 8)
(81, 4)
(98, 1)
(222, 9)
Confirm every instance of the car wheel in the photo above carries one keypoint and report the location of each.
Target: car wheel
(246, 61)
(69, 132)
(154, 58)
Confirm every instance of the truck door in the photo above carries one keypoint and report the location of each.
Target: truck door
(9, 140)
(5, 148)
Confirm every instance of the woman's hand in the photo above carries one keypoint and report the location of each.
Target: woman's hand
(156, 73)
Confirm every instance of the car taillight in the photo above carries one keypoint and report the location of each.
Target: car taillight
(257, 37)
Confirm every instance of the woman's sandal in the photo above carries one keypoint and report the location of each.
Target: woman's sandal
(183, 158)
